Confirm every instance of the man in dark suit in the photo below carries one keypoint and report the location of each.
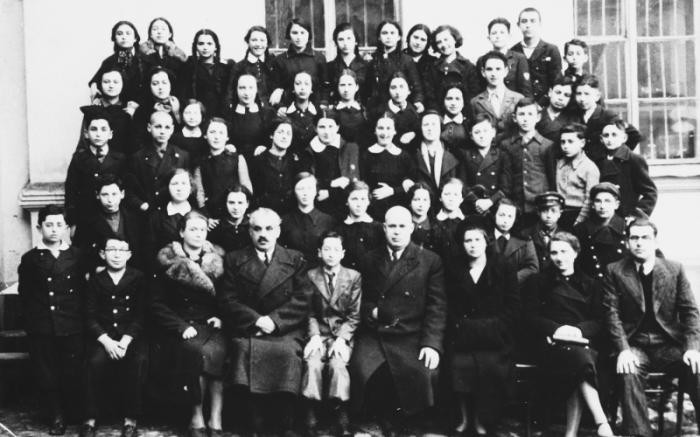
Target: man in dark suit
(653, 323)
(399, 343)
(265, 297)
(543, 58)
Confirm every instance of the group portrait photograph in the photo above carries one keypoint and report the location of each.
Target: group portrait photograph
(371, 218)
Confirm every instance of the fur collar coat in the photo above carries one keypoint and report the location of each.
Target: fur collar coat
(181, 268)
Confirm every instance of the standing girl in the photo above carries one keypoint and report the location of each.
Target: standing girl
(386, 62)
(160, 49)
(452, 69)
(455, 126)
(348, 58)
(190, 137)
(160, 98)
(352, 116)
(418, 42)
(302, 112)
(204, 77)
(231, 232)
(248, 118)
(258, 62)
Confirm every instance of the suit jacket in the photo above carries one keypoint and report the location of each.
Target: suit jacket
(148, 175)
(537, 235)
(116, 310)
(630, 172)
(491, 171)
(460, 72)
(519, 253)
(594, 127)
(550, 128)
(600, 245)
(674, 304)
(381, 69)
(545, 66)
(336, 314)
(451, 168)
(504, 123)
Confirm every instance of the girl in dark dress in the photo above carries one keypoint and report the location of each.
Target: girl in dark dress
(564, 310)
(160, 98)
(352, 115)
(455, 125)
(258, 62)
(190, 137)
(164, 221)
(386, 62)
(185, 311)
(452, 68)
(360, 232)
(345, 38)
(302, 112)
(448, 219)
(406, 119)
(300, 56)
(231, 232)
(160, 49)
(111, 85)
(483, 306)
(127, 59)
(419, 202)
(249, 118)
(387, 169)
(418, 43)
(204, 77)
(219, 170)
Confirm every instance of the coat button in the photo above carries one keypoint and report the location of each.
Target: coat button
(114, 297)
(68, 276)
(115, 324)
(53, 308)
(128, 309)
(619, 250)
(50, 293)
(114, 311)
(127, 297)
(70, 291)
(49, 279)
(478, 173)
(600, 275)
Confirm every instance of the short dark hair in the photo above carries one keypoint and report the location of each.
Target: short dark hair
(527, 101)
(110, 70)
(237, 188)
(342, 27)
(568, 238)
(562, 80)
(329, 234)
(591, 80)
(329, 114)
(158, 69)
(530, 9)
(618, 122)
(260, 29)
(357, 186)
(115, 237)
(194, 214)
(50, 210)
(498, 20)
(574, 128)
(108, 179)
(394, 23)
(642, 222)
(480, 118)
(493, 54)
(412, 192)
(508, 202)
(202, 108)
(424, 28)
(575, 42)
(459, 40)
(299, 22)
(277, 121)
(216, 120)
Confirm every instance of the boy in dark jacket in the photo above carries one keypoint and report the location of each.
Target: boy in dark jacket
(51, 282)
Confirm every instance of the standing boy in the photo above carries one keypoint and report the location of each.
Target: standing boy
(51, 282)
(335, 314)
(518, 252)
(115, 314)
(558, 112)
(576, 56)
(549, 205)
(518, 77)
(543, 58)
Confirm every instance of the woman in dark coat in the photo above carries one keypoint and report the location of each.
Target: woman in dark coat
(204, 77)
(185, 312)
(564, 310)
(160, 49)
(346, 41)
(418, 43)
(231, 232)
(258, 62)
(483, 305)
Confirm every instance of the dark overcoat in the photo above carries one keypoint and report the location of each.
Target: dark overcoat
(600, 245)
(266, 363)
(409, 295)
(544, 64)
(148, 175)
(519, 253)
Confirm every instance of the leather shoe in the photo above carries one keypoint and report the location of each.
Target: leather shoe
(58, 426)
(129, 430)
(86, 430)
(215, 432)
(197, 432)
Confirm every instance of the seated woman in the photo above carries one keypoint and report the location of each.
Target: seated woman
(483, 303)
(563, 309)
(231, 232)
(185, 312)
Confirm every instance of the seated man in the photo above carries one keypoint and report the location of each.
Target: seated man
(653, 323)
(403, 314)
(265, 297)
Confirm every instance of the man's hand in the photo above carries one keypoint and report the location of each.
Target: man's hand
(691, 357)
(322, 195)
(627, 362)
(314, 346)
(276, 96)
(341, 349)
(190, 332)
(431, 357)
(341, 182)
(419, 107)
(265, 324)
(382, 192)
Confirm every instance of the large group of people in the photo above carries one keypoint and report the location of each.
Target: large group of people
(364, 237)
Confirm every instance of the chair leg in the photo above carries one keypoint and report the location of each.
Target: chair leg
(679, 411)
(660, 411)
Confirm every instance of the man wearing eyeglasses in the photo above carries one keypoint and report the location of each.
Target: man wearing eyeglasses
(653, 323)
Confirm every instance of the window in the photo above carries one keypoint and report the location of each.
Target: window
(324, 15)
(644, 52)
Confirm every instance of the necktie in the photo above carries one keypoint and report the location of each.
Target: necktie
(100, 153)
(502, 241)
(394, 255)
(431, 160)
(267, 259)
(496, 103)
(331, 287)
(641, 271)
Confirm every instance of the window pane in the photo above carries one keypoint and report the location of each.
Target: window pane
(668, 130)
(599, 18)
(279, 13)
(665, 17)
(607, 62)
(614, 23)
(666, 69)
(582, 18)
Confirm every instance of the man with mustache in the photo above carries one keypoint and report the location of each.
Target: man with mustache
(265, 296)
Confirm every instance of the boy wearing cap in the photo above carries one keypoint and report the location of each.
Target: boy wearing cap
(549, 205)
(88, 164)
(627, 170)
(602, 234)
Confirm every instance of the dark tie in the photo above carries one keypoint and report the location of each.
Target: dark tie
(431, 160)
(267, 259)
(331, 287)
(394, 255)
(100, 153)
(641, 271)
(502, 241)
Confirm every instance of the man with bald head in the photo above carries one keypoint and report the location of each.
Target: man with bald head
(265, 296)
(399, 342)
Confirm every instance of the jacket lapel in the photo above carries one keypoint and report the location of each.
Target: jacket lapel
(489, 159)
(660, 284)
(319, 280)
(633, 283)
(280, 268)
(407, 262)
(341, 284)
(449, 162)
(251, 268)
(483, 101)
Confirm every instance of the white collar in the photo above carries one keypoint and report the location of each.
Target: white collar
(116, 276)
(41, 246)
(192, 133)
(335, 270)
(354, 104)
(425, 149)
(261, 254)
(254, 59)
(477, 269)
(648, 265)
(240, 109)
(499, 234)
(392, 148)
(395, 108)
(500, 92)
(317, 146)
(444, 215)
(93, 149)
(182, 208)
(362, 219)
(293, 108)
(397, 252)
(459, 119)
